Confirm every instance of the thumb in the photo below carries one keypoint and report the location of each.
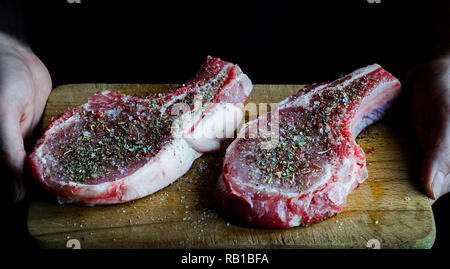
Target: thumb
(13, 158)
(436, 166)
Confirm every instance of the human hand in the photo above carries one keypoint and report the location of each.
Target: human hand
(431, 114)
(25, 85)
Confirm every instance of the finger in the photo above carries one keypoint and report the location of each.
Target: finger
(435, 169)
(27, 128)
(13, 157)
(42, 84)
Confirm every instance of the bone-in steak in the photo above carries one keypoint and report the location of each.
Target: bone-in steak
(118, 148)
(304, 174)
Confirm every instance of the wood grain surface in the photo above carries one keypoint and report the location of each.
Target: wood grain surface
(389, 208)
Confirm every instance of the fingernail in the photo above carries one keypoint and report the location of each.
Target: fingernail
(431, 201)
(437, 184)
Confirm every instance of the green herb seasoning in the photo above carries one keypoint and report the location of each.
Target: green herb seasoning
(115, 141)
(307, 136)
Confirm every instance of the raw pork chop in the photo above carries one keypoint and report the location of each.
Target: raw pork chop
(304, 175)
(118, 148)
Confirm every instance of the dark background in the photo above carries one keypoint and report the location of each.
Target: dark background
(272, 41)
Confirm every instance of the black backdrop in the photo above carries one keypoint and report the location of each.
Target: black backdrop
(273, 42)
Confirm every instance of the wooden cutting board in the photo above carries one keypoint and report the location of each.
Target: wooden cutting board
(389, 210)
